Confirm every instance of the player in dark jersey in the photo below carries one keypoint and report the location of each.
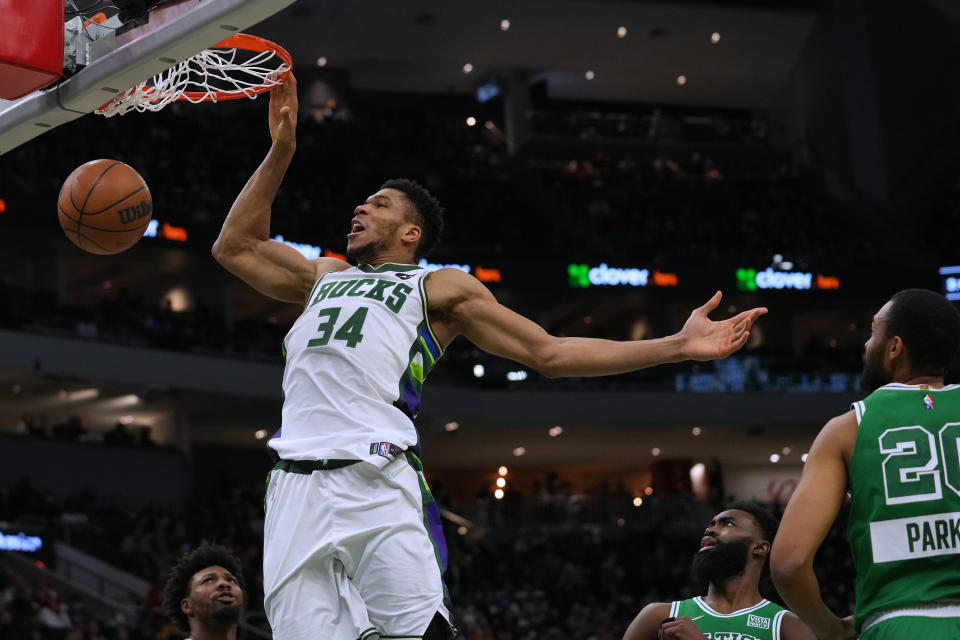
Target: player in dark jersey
(732, 558)
(898, 454)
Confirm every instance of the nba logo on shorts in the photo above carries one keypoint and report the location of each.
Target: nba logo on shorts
(384, 449)
(928, 401)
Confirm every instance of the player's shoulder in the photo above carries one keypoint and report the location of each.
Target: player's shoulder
(838, 435)
(793, 628)
(647, 623)
(324, 266)
(449, 285)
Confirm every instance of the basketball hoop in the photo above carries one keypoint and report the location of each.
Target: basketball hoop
(242, 66)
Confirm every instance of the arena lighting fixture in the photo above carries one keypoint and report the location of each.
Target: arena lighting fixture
(471, 121)
(696, 431)
(478, 370)
(621, 32)
(774, 458)
(501, 482)
(504, 25)
(714, 37)
(621, 522)
(519, 451)
(79, 395)
(451, 426)
(260, 434)
(467, 68)
(681, 80)
(803, 458)
(322, 61)
(126, 419)
(498, 494)
(555, 431)
(648, 491)
(655, 451)
(462, 530)
(589, 75)
(698, 473)
(502, 470)
(785, 451)
(16, 389)
(637, 501)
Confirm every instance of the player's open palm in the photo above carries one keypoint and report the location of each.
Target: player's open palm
(706, 339)
(682, 628)
(282, 116)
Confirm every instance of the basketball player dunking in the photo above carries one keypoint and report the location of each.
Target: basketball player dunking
(353, 547)
(898, 454)
(732, 559)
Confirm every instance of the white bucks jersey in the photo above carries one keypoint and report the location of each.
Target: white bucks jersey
(355, 364)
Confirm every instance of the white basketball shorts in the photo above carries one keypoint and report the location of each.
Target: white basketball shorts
(352, 553)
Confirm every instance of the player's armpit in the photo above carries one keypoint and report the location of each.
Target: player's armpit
(646, 625)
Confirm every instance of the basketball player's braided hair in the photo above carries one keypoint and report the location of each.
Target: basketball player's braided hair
(178, 582)
(428, 214)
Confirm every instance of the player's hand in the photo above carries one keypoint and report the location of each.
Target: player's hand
(705, 339)
(682, 628)
(844, 631)
(282, 115)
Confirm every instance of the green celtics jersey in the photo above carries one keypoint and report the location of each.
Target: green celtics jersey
(904, 526)
(759, 622)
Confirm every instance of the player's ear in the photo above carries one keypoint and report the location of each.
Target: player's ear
(895, 347)
(186, 607)
(412, 234)
(761, 548)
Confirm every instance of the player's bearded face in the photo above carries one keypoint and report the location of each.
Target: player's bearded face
(369, 251)
(724, 560)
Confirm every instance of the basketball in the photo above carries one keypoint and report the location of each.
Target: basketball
(104, 206)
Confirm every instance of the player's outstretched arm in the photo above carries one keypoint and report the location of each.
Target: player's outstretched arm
(808, 517)
(243, 247)
(459, 303)
(646, 626)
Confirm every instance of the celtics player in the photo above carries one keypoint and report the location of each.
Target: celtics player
(353, 546)
(732, 558)
(897, 453)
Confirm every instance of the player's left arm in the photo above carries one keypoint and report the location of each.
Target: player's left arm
(459, 303)
(806, 521)
(792, 628)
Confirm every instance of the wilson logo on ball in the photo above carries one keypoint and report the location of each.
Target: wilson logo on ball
(136, 212)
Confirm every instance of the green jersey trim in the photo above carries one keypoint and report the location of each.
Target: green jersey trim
(918, 387)
(707, 609)
(388, 266)
(934, 610)
(426, 314)
(859, 408)
(777, 623)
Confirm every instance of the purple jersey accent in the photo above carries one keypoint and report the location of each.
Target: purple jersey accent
(411, 399)
(436, 532)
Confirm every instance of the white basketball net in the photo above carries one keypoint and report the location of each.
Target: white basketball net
(209, 72)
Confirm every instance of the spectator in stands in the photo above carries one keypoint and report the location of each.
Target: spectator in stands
(206, 594)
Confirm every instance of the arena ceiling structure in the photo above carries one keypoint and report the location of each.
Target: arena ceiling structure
(636, 50)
